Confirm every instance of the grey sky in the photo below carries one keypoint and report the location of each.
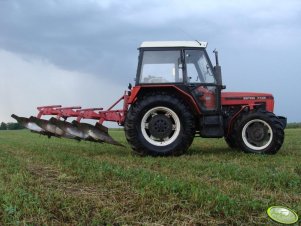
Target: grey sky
(84, 52)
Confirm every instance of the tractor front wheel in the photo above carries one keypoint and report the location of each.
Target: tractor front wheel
(160, 124)
(260, 132)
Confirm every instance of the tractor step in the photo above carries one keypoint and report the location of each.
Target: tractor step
(211, 126)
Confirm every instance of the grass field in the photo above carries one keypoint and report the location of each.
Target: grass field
(58, 181)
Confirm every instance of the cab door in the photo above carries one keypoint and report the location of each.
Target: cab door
(201, 81)
(206, 92)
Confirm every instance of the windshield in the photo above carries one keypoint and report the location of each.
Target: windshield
(161, 67)
(198, 67)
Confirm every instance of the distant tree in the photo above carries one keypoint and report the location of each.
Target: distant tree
(293, 125)
(3, 126)
(14, 126)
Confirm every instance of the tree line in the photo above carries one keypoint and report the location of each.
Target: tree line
(10, 126)
(293, 125)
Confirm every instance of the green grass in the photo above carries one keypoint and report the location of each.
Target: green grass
(58, 181)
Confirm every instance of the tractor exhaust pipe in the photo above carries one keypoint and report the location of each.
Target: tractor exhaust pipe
(218, 71)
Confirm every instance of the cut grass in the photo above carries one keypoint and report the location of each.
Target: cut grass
(60, 181)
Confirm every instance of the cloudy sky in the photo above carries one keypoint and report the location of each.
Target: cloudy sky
(84, 52)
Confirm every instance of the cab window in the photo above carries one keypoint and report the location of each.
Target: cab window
(161, 67)
(198, 67)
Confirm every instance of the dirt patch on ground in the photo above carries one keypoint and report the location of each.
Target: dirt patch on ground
(51, 177)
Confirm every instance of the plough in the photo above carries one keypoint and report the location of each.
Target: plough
(58, 126)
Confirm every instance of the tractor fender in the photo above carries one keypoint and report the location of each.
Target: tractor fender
(141, 90)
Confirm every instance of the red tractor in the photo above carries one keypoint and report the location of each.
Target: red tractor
(177, 96)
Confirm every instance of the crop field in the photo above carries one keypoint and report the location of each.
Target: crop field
(64, 182)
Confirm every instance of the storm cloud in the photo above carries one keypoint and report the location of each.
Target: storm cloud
(76, 52)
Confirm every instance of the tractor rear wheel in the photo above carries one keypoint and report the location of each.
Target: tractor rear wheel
(159, 124)
(231, 141)
(260, 132)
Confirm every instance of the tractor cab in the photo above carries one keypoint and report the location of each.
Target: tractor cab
(183, 64)
(186, 66)
(174, 62)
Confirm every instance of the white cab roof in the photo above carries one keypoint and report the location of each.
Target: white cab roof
(195, 44)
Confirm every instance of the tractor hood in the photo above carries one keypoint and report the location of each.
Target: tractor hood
(248, 98)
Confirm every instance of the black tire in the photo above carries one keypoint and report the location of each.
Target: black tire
(231, 141)
(259, 132)
(159, 124)
(283, 121)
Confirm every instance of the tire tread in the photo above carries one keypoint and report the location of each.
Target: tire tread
(132, 123)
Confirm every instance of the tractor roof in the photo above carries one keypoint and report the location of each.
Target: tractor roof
(162, 44)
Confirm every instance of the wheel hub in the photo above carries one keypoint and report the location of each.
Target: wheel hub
(257, 133)
(160, 126)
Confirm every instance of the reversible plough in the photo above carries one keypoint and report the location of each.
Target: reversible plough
(59, 126)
